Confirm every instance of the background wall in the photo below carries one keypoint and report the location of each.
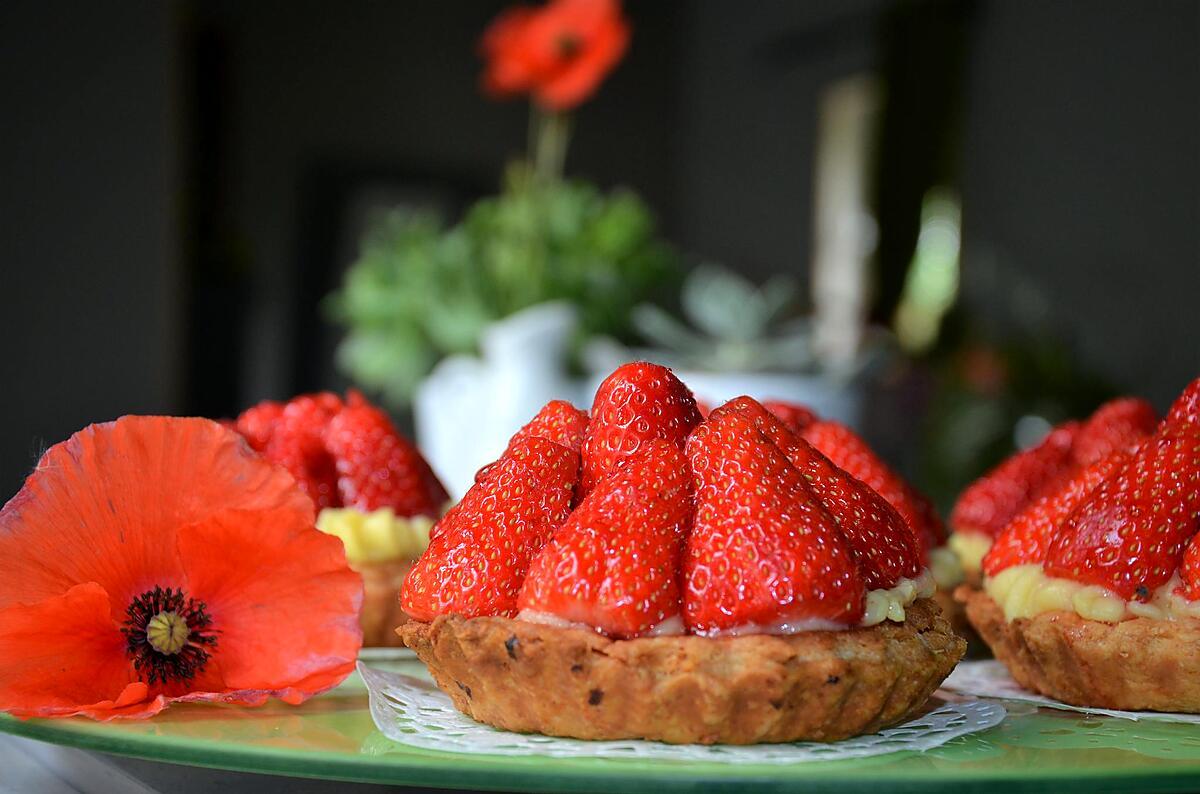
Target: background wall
(159, 163)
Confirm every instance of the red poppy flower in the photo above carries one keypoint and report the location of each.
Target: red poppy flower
(559, 53)
(153, 559)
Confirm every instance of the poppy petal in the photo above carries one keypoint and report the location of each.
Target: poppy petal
(104, 505)
(283, 602)
(66, 655)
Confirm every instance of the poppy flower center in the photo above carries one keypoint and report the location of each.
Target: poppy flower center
(168, 636)
(568, 45)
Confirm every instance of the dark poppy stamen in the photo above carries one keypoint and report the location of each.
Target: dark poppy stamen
(168, 636)
(568, 45)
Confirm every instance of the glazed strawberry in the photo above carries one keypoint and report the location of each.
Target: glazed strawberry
(796, 417)
(376, 466)
(989, 503)
(763, 551)
(257, 423)
(1131, 531)
(1186, 408)
(481, 549)
(1027, 537)
(847, 450)
(1189, 571)
(883, 545)
(1118, 425)
(614, 565)
(297, 443)
(558, 421)
(634, 404)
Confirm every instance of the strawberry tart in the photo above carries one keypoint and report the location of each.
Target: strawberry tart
(1091, 593)
(648, 573)
(370, 485)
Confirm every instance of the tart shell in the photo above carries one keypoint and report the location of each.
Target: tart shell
(381, 602)
(1135, 665)
(821, 685)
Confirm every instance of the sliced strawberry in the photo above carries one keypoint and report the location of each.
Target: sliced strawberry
(634, 404)
(558, 421)
(989, 503)
(1189, 571)
(614, 565)
(1185, 411)
(850, 453)
(376, 466)
(1118, 425)
(1027, 537)
(257, 423)
(297, 443)
(1130, 533)
(703, 407)
(795, 416)
(882, 543)
(481, 549)
(763, 551)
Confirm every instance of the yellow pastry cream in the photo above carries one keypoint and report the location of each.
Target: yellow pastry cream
(889, 604)
(377, 536)
(946, 568)
(1023, 591)
(970, 548)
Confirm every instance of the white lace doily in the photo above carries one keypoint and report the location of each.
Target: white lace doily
(990, 679)
(416, 713)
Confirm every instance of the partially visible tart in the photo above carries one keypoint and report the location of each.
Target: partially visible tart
(679, 580)
(1091, 594)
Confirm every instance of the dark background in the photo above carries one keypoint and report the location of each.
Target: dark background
(172, 172)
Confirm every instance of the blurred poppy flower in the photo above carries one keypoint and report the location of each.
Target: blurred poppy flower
(558, 53)
(153, 559)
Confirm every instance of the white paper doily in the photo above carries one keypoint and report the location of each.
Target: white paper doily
(990, 679)
(415, 712)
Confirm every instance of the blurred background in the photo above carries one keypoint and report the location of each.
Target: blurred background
(950, 222)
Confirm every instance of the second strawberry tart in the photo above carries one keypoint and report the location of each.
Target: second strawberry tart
(644, 573)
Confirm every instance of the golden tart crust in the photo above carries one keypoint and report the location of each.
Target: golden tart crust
(821, 685)
(1135, 665)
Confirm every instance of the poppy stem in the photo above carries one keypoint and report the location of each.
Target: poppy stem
(551, 134)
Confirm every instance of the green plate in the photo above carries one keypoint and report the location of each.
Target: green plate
(332, 737)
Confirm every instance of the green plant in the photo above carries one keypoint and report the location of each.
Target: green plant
(420, 290)
(732, 325)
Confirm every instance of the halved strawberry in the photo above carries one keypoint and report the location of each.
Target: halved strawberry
(614, 565)
(481, 549)
(794, 416)
(1118, 425)
(376, 466)
(850, 453)
(297, 443)
(634, 404)
(1027, 537)
(1185, 411)
(557, 421)
(1189, 571)
(1130, 533)
(763, 551)
(257, 423)
(989, 503)
(883, 545)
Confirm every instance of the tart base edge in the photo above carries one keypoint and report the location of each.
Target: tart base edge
(1134, 665)
(818, 686)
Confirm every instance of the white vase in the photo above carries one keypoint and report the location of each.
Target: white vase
(468, 407)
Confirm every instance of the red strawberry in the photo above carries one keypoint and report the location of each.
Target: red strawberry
(614, 565)
(882, 544)
(297, 444)
(1028, 536)
(703, 408)
(1189, 571)
(989, 503)
(762, 551)
(846, 450)
(796, 417)
(257, 423)
(1130, 533)
(558, 421)
(1118, 425)
(634, 404)
(376, 466)
(481, 549)
(1186, 408)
